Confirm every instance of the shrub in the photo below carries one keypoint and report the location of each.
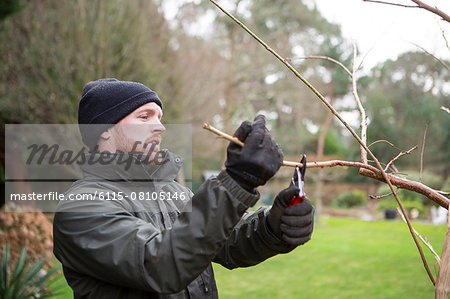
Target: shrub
(30, 229)
(351, 199)
(23, 278)
(409, 199)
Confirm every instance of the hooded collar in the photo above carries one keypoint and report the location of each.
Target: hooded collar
(131, 167)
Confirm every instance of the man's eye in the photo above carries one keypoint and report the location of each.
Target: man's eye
(143, 116)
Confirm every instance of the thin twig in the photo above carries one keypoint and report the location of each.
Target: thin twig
(398, 156)
(432, 55)
(421, 152)
(329, 59)
(352, 132)
(432, 9)
(436, 256)
(385, 141)
(362, 111)
(380, 196)
(443, 36)
(420, 4)
(390, 3)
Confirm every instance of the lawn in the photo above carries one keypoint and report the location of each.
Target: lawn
(346, 258)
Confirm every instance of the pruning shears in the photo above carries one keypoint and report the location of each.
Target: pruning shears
(299, 180)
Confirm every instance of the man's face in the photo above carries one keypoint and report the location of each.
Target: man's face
(140, 130)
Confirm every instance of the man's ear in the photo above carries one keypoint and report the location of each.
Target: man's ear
(106, 135)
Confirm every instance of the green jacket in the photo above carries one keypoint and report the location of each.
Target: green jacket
(156, 248)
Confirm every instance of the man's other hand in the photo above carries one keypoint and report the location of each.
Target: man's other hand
(258, 160)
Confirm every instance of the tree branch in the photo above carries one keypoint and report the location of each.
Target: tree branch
(329, 59)
(352, 132)
(370, 171)
(380, 196)
(421, 152)
(420, 4)
(390, 3)
(362, 111)
(436, 256)
(432, 55)
(432, 9)
(398, 156)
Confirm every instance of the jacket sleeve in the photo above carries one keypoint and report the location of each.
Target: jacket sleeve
(118, 248)
(251, 242)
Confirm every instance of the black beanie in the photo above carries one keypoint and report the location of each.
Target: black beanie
(106, 101)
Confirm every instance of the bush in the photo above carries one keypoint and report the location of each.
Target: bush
(391, 204)
(23, 278)
(409, 199)
(351, 199)
(33, 230)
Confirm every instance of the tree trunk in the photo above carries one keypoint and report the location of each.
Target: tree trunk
(229, 91)
(320, 149)
(443, 279)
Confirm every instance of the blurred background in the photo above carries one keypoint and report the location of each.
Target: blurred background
(205, 68)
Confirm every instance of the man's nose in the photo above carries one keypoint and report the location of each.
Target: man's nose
(158, 128)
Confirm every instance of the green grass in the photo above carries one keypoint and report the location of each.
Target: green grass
(60, 285)
(346, 258)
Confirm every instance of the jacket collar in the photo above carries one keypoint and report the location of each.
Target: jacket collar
(131, 167)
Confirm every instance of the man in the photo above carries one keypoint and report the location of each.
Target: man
(160, 248)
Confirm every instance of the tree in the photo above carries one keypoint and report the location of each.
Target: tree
(378, 172)
(404, 97)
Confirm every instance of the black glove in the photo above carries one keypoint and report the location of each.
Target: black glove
(258, 160)
(293, 224)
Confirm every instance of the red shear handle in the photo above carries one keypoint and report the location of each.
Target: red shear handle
(296, 200)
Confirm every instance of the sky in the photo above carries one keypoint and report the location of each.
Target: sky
(380, 31)
(386, 30)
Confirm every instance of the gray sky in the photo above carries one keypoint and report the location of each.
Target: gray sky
(384, 30)
(389, 30)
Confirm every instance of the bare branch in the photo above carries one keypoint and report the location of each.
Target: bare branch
(443, 36)
(390, 3)
(398, 156)
(432, 9)
(421, 152)
(362, 112)
(329, 59)
(443, 192)
(406, 184)
(443, 277)
(385, 141)
(371, 171)
(352, 132)
(432, 55)
(420, 4)
(436, 256)
(380, 196)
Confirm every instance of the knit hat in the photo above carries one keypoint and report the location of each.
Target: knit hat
(106, 101)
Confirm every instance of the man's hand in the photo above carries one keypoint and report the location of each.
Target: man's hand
(258, 160)
(293, 224)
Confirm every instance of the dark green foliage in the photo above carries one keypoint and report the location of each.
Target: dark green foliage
(23, 278)
(9, 8)
(54, 47)
(408, 202)
(403, 97)
(334, 144)
(351, 199)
